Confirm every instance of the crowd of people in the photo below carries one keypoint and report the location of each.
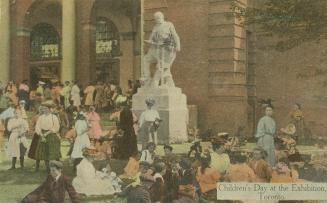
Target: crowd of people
(104, 96)
(64, 113)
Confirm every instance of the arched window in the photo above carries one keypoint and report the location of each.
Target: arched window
(107, 38)
(44, 42)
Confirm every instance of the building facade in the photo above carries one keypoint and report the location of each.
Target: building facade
(82, 40)
(223, 68)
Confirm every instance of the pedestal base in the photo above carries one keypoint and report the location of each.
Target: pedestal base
(172, 107)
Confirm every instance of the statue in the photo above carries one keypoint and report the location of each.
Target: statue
(164, 43)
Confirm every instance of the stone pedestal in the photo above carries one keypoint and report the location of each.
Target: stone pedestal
(172, 107)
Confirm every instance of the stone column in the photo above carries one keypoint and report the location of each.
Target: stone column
(68, 41)
(227, 85)
(85, 53)
(5, 41)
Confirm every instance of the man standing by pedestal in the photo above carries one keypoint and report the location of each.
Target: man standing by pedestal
(266, 130)
(164, 42)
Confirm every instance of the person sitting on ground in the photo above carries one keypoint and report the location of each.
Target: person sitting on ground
(148, 154)
(132, 166)
(146, 174)
(239, 171)
(169, 157)
(282, 173)
(207, 178)
(157, 190)
(135, 192)
(219, 159)
(186, 187)
(89, 181)
(54, 187)
(171, 176)
(260, 166)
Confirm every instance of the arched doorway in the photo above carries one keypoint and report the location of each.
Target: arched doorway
(107, 42)
(45, 53)
(42, 22)
(120, 59)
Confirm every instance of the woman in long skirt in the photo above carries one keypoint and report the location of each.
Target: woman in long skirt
(82, 140)
(36, 137)
(128, 144)
(93, 119)
(17, 147)
(47, 126)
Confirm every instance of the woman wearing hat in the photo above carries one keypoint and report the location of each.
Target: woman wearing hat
(17, 144)
(88, 181)
(36, 138)
(47, 126)
(146, 122)
(82, 140)
(127, 144)
(93, 118)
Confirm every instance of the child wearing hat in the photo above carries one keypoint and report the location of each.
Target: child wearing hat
(146, 121)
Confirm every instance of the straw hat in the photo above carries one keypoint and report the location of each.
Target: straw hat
(49, 104)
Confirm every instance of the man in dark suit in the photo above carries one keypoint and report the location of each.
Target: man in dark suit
(54, 187)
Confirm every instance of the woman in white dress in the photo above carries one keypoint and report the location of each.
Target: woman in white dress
(89, 181)
(17, 145)
(82, 139)
(75, 95)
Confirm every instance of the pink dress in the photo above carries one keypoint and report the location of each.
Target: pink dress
(95, 130)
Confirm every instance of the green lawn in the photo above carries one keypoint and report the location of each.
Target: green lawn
(15, 184)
